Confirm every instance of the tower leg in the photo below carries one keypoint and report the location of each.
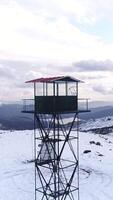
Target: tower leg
(57, 158)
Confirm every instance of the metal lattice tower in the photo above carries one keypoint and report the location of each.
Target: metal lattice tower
(56, 137)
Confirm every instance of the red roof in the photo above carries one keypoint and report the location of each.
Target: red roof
(44, 80)
(54, 79)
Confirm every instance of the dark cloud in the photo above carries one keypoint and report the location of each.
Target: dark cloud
(16, 73)
(92, 77)
(18, 69)
(6, 72)
(13, 75)
(92, 65)
(102, 89)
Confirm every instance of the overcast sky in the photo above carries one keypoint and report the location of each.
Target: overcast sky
(56, 37)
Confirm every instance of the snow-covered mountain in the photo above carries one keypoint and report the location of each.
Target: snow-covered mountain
(98, 124)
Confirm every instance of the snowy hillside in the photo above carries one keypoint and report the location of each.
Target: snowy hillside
(98, 123)
(98, 164)
(17, 175)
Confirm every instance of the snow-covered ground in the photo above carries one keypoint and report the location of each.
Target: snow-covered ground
(98, 183)
(17, 176)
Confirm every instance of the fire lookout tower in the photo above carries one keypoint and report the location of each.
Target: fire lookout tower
(56, 136)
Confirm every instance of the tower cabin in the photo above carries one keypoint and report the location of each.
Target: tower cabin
(55, 95)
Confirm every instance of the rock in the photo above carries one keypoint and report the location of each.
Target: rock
(108, 119)
(100, 154)
(98, 143)
(87, 151)
(92, 142)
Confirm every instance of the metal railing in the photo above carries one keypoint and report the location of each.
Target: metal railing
(83, 104)
(28, 105)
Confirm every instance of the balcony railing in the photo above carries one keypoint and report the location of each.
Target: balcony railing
(83, 105)
(28, 105)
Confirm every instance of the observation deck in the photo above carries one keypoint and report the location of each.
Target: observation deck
(30, 107)
(55, 95)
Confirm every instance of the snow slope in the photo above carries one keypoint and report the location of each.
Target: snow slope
(17, 176)
(98, 123)
(98, 183)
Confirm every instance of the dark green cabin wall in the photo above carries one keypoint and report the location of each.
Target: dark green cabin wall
(55, 104)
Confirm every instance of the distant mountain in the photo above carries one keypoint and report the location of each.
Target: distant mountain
(11, 116)
(95, 104)
(98, 113)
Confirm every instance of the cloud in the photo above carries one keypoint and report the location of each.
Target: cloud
(14, 74)
(103, 89)
(43, 38)
(89, 77)
(17, 72)
(87, 11)
(37, 30)
(6, 72)
(93, 65)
